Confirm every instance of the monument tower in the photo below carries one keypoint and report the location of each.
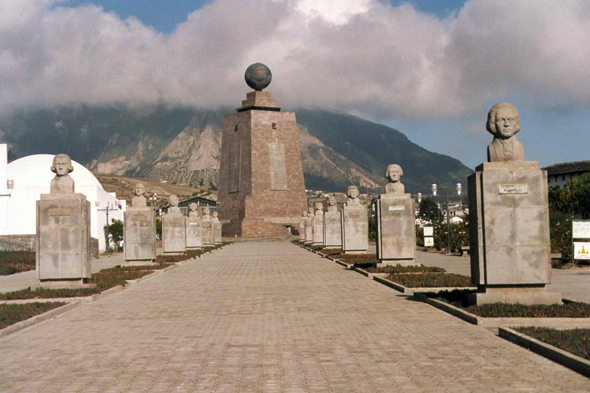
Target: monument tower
(261, 188)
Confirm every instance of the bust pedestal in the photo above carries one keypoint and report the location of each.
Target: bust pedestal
(396, 230)
(217, 234)
(173, 233)
(509, 233)
(309, 231)
(355, 230)
(332, 230)
(302, 230)
(207, 232)
(318, 230)
(140, 234)
(63, 240)
(193, 232)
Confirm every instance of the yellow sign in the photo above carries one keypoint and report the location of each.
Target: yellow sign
(429, 242)
(581, 250)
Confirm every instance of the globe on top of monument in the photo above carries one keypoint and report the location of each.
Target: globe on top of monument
(258, 76)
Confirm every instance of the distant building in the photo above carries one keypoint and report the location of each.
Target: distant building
(559, 175)
(198, 200)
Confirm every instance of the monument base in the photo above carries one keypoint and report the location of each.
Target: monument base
(66, 284)
(332, 248)
(512, 295)
(395, 262)
(361, 252)
(138, 263)
(254, 227)
(194, 248)
(140, 234)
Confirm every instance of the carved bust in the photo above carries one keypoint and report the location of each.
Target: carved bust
(394, 174)
(319, 209)
(174, 208)
(503, 123)
(138, 199)
(332, 206)
(215, 216)
(206, 213)
(193, 209)
(304, 215)
(310, 211)
(62, 183)
(353, 196)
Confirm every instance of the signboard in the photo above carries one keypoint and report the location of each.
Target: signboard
(582, 250)
(513, 189)
(428, 231)
(429, 241)
(581, 229)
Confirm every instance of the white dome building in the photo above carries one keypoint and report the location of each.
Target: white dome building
(32, 176)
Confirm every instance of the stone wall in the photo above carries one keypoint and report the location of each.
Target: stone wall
(94, 248)
(17, 242)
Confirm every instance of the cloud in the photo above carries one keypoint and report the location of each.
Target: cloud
(362, 56)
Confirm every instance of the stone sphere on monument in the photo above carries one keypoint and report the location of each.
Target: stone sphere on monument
(258, 76)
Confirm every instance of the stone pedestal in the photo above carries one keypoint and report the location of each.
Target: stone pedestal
(193, 232)
(63, 240)
(301, 230)
(309, 230)
(173, 233)
(355, 230)
(261, 187)
(396, 230)
(140, 234)
(318, 230)
(332, 230)
(217, 234)
(207, 233)
(509, 232)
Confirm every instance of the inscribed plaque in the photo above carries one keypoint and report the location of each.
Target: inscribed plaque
(278, 167)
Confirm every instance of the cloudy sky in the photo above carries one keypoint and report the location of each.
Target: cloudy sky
(429, 68)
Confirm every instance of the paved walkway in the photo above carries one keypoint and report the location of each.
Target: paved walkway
(270, 317)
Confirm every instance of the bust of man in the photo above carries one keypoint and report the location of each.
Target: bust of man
(206, 213)
(503, 123)
(174, 208)
(319, 209)
(353, 196)
(310, 211)
(215, 216)
(62, 183)
(193, 209)
(394, 174)
(138, 199)
(304, 215)
(332, 206)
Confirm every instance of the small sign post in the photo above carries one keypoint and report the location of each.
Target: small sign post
(428, 237)
(581, 231)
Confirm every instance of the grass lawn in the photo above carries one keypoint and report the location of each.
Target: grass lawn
(13, 313)
(405, 269)
(431, 280)
(16, 261)
(576, 341)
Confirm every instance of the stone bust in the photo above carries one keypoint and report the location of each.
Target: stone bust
(304, 215)
(353, 196)
(319, 208)
(193, 209)
(206, 213)
(310, 211)
(332, 206)
(138, 199)
(394, 174)
(174, 208)
(215, 216)
(503, 123)
(62, 183)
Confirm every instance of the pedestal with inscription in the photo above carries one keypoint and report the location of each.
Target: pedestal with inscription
(217, 232)
(173, 233)
(140, 234)
(509, 232)
(193, 232)
(309, 231)
(332, 229)
(261, 189)
(396, 230)
(63, 240)
(355, 230)
(207, 232)
(302, 230)
(318, 229)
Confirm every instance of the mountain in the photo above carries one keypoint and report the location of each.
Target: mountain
(182, 145)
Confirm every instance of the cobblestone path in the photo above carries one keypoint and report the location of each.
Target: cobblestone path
(268, 317)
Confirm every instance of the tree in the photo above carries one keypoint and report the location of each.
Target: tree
(429, 209)
(116, 234)
(580, 191)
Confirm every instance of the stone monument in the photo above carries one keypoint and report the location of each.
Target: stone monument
(140, 228)
(216, 227)
(309, 226)
(318, 224)
(332, 225)
(396, 224)
(355, 224)
(509, 220)
(63, 231)
(173, 228)
(207, 231)
(302, 227)
(261, 188)
(193, 227)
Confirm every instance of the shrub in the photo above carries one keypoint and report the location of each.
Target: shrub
(431, 280)
(576, 341)
(13, 313)
(16, 261)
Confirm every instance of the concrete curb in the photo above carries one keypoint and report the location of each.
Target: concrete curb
(555, 354)
(464, 315)
(39, 318)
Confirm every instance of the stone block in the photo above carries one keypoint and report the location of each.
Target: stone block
(318, 230)
(140, 234)
(207, 233)
(396, 229)
(63, 237)
(513, 295)
(302, 229)
(193, 232)
(355, 229)
(173, 233)
(309, 230)
(217, 235)
(333, 229)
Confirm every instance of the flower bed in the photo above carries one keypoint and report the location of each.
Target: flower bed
(431, 280)
(576, 341)
(405, 269)
(16, 261)
(13, 313)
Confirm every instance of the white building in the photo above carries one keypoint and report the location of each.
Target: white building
(559, 175)
(31, 177)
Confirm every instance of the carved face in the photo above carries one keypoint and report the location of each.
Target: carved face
(173, 200)
(310, 209)
(506, 123)
(62, 165)
(193, 207)
(304, 214)
(215, 214)
(206, 211)
(393, 174)
(139, 189)
(353, 193)
(332, 201)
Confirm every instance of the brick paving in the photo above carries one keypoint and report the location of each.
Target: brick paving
(268, 317)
